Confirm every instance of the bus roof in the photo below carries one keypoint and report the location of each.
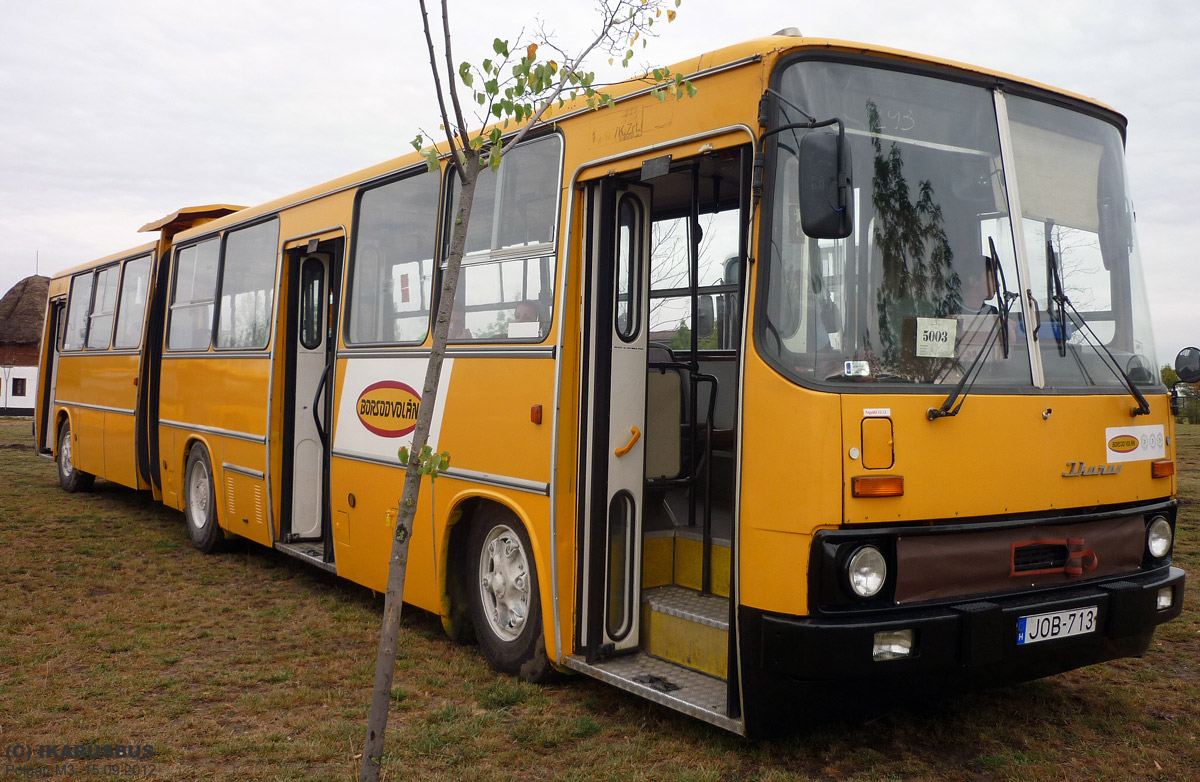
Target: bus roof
(139, 250)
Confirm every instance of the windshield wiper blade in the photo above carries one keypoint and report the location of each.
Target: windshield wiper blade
(959, 394)
(1059, 298)
(1004, 297)
(1143, 407)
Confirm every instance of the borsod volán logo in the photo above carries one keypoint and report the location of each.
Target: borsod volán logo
(388, 408)
(1124, 443)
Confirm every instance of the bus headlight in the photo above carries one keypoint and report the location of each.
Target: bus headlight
(866, 571)
(1158, 537)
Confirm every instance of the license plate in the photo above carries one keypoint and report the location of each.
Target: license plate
(1058, 624)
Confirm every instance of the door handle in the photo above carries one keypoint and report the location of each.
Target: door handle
(635, 436)
(316, 410)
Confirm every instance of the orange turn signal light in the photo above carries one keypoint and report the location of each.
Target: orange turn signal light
(1164, 468)
(877, 486)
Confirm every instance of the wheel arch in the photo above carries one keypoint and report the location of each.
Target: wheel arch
(62, 415)
(191, 441)
(453, 567)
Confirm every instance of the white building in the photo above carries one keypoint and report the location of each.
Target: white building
(22, 314)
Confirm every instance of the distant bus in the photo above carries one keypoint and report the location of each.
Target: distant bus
(837, 375)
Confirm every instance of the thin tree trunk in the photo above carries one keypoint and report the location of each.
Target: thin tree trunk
(385, 663)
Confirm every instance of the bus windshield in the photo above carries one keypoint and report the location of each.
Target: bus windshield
(933, 278)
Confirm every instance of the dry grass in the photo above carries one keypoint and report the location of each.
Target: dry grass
(113, 630)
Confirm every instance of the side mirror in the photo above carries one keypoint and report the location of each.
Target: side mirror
(825, 186)
(705, 316)
(1187, 365)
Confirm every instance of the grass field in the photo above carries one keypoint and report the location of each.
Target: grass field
(247, 665)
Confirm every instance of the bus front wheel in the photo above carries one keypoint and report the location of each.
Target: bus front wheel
(199, 502)
(70, 479)
(505, 605)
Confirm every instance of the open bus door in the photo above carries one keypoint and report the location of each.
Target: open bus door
(615, 474)
(51, 339)
(313, 268)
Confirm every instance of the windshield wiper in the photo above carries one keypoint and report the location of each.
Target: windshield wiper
(999, 328)
(1064, 304)
(1058, 298)
(1005, 297)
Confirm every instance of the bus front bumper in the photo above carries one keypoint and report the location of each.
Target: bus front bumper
(969, 642)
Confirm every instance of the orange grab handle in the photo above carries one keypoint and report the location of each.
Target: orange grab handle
(637, 435)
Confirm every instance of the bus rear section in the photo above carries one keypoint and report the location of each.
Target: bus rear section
(88, 402)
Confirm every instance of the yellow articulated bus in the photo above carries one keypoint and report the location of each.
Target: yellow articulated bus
(838, 374)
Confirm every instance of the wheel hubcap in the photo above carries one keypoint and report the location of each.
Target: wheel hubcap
(504, 582)
(64, 448)
(198, 498)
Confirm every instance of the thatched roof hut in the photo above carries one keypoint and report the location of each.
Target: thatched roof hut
(22, 311)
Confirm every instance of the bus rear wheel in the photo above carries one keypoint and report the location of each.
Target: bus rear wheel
(70, 479)
(199, 502)
(503, 592)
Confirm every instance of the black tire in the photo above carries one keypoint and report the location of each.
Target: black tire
(200, 502)
(502, 589)
(70, 479)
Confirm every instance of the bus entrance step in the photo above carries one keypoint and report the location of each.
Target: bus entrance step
(666, 683)
(687, 628)
(312, 553)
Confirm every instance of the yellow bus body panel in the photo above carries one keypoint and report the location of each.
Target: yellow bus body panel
(102, 434)
(226, 394)
(1020, 448)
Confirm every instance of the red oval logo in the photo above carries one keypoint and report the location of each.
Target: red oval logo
(388, 408)
(1123, 443)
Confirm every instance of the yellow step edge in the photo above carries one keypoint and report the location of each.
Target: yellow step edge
(685, 642)
(689, 555)
(658, 559)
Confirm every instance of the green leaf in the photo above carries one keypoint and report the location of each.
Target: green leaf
(691, 91)
(500, 47)
(487, 66)
(494, 136)
(464, 73)
(403, 455)
(418, 142)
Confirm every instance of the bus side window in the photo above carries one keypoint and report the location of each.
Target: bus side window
(131, 310)
(104, 304)
(505, 300)
(392, 269)
(75, 333)
(515, 213)
(192, 303)
(248, 286)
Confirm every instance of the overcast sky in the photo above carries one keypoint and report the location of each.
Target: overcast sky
(117, 113)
